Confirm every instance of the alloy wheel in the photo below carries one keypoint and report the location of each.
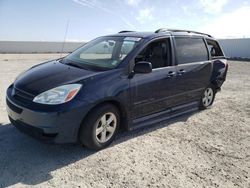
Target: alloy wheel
(105, 127)
(208, 97)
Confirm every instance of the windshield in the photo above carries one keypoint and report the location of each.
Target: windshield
(104, 52)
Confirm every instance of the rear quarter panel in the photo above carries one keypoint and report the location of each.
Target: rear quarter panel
(219, 72)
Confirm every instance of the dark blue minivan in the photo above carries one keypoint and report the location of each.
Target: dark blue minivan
(121, 81)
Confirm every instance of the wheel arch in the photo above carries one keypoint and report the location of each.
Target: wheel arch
(121, 108)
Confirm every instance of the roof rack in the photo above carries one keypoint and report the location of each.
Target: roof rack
(180, 30)
(125, 31)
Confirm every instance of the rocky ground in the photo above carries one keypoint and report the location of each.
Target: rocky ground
(209, 148)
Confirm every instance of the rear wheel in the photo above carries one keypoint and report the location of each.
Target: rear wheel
(100, 127)
(207, 98)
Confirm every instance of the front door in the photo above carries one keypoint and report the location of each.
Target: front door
(152, 92)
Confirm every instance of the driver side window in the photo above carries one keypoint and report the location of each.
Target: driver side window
(157, 53)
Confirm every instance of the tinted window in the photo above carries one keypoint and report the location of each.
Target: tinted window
(190, 50)
(214, 48)
(157, 53)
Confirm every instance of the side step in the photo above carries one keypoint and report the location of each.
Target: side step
(165, 115)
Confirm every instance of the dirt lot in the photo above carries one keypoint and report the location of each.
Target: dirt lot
(210, 148)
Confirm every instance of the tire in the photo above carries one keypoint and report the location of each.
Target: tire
(207, 97)
(100, 127)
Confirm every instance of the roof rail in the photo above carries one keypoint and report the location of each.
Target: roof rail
(125, 31)
(180, 30)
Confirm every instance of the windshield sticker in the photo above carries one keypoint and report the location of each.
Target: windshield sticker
(135, 39)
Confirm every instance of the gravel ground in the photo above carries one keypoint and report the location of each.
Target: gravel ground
(209, 148)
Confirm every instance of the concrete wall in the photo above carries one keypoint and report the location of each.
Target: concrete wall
(233, 48)
(37, 47)
(236, 48)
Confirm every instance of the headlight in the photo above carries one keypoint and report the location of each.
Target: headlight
(58, 95)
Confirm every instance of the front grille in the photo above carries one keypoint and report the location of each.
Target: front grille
(21, 95)
(14, 107)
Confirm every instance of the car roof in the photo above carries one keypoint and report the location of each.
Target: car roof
(161, 32)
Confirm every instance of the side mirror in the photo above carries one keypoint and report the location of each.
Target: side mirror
(143, 67)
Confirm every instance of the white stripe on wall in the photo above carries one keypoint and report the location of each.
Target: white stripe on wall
(37, 47)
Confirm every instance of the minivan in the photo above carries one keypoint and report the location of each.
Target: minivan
(117, 82)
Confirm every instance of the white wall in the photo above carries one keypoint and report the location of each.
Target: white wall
(233, 48)
(37, 47)
(236, 48)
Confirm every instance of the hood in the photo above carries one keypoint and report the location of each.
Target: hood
(46, 76)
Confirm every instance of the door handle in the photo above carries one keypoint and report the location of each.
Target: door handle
(181, 72)
(170, 74)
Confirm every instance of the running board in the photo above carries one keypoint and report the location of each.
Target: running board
(165, 115)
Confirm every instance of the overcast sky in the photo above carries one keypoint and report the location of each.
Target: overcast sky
(46, 20)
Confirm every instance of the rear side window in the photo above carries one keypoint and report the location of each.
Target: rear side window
(214, 48)
(190, 50)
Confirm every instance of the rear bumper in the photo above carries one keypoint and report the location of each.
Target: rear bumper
(53, 127)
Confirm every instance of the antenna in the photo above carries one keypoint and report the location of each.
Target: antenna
(65, 35)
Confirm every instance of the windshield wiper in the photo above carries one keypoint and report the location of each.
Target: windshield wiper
(76, 65)
(81, 66)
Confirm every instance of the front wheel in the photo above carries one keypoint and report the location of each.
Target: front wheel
(207, 98)
(100, 127)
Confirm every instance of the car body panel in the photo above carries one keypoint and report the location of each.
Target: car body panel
(152, 92)
(219, 72)
(50, 75)
(66, 119)
(191, 80)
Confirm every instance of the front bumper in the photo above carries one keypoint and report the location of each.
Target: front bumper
(51, 126)
(33, 131)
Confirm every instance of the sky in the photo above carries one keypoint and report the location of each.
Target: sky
(83, 20)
